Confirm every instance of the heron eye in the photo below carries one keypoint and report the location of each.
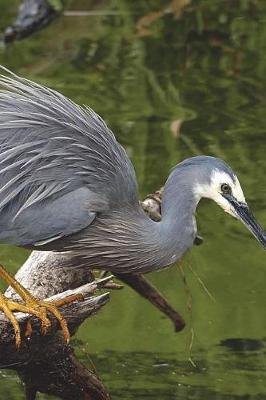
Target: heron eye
(226, 189)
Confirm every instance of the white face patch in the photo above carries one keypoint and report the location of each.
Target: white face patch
(213, 190)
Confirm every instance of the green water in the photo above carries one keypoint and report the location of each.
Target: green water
(204, 70)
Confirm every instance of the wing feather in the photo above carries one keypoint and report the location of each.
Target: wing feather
(51, 150)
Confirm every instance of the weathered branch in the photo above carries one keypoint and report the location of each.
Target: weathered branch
(47, 273)
(45, 363)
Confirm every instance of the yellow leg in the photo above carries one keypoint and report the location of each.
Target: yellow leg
(39, 308)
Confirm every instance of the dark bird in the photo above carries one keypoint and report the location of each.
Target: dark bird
(66, 184)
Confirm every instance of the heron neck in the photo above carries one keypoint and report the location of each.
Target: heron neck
(177, 229)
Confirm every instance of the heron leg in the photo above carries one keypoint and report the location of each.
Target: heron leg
(33, 306)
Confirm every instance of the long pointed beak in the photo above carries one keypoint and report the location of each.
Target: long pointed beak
(244, 214)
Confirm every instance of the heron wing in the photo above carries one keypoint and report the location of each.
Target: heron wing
(47, 221)
(59, 164)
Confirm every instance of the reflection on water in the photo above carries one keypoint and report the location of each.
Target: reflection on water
(145, 375)
(161, 376)
(181, 85)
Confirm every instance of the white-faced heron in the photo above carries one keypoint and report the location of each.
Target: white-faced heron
(66, 184)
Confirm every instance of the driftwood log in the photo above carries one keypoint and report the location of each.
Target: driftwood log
(45, 363)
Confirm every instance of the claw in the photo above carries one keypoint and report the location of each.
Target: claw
(53, 309)
(8, 313)
(45, 322)
(28, 330)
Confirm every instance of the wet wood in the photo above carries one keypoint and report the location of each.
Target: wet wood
(72, 379)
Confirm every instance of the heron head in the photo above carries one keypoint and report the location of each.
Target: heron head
(224, 188)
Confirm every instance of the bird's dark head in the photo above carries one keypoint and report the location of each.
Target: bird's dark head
(218, 182)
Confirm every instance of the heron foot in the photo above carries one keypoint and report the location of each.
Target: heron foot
(33, 306)
(40, 308)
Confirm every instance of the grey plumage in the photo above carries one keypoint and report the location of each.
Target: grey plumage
(55, 154)
(66, 184)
